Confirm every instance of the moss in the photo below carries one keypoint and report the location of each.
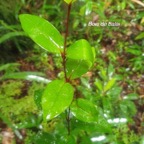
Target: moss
(11, 88)
(14, 104)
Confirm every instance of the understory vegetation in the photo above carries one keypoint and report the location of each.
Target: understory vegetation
(107, 105)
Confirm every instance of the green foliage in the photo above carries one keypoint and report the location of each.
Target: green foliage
(84, 110)
(10, 8)
(44, 138)
(12, 39)
(11, 72)
(20, 75)
(137, 57)
(122, 136)
(110, 96)
(140, 36)
(9, 67)
(81, 103)
(109, 84)
(10, 35)
(42, 32)
(56, 98)
(69, 1)
(9, 91)
(80, 58)
(46, 35)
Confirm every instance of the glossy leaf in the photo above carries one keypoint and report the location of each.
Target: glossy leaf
(80, 57)
(56, 98)
(84, 110)
(42, 32)
(103, 73)
(94, 53)
(87, 8)
(31, 121)
(31, 76)
(128, 108)
(131, 96)
(38, 97)
(64, 139)
(107, 104)
(81, 50)
(110, 84)
(43, 138)
(103, 125)
(76, 68)
(98, 84)
(21, 75)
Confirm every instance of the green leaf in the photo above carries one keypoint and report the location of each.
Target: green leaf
(103, 73)
(43, 138)
(107, 104)
(128, 108)
(81, 50)
(110, 84)
(56, 98)
(84, 110)
(131, 96)
(30, 121)
(32, 76)
(136, 52)
(42, 32)
(8, 66)
(123, 5)
(87, 8)
(69, 1)
(76, 68)
(102, 125)
(10, 35)
(38, 97)
(140, 36)
(80, 57)
(94, 52)
(98, 84)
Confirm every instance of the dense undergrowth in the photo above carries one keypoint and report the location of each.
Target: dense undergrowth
(115, 84)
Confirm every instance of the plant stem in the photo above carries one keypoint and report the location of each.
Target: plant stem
(68, 121)
(64, 63)
(65, 41)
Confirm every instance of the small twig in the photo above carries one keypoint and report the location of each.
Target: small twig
(68, 121)
(138, 2)
(141, 96)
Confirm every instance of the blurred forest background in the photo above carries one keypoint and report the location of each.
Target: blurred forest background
(25, 69)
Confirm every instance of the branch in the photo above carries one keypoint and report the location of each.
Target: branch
(64, 62)
(65, 41)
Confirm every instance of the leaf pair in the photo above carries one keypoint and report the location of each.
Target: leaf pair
(58, 96)
(80, 55)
